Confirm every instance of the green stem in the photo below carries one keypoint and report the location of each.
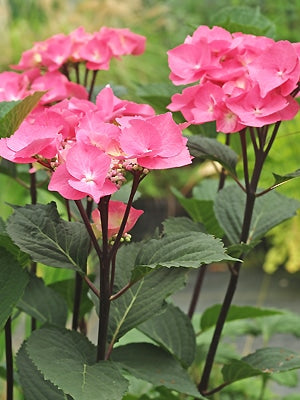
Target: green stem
(9, 361)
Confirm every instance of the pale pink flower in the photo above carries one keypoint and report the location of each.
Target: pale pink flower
(96, 53)
(13, 86)
(116, 210)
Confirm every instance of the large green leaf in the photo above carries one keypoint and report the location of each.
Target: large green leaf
(39, 231)
(186, 249)
(181, 224)
(6, 242)
(43, 303)
(34, 386)
(172, 330)
(13, 280)
(270, 210)
(210, 316)
(153, 364)
(67, 359)
(206, 148)
(143, 300)
(66, 288)
(267, 360)
(244, 19)
(14, 112)
(200, 211)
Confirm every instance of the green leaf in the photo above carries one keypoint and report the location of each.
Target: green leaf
(270, 210)
(143, 300)
(65, 288)
(200, 211)
(67, 359)
(288, 378)
(237, 370)
(280, 179)
(206, 148)
(172, 330)
(210, 316)
(5, 241)
(34, 386)
(13, 280)
(39, 231)
(186, 249)
(13, 113)
(244, 19)
(180, 224)
(153, 364)
(267, 360)
(157, 94)
(43, 303)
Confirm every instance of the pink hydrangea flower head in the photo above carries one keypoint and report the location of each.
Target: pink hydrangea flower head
(277, 67)
(13, 86)
(116, 210)
(57, 51)
(79, 38)
(105, 136)
(84, 173)
(58, 87)
(155, 142)
(122, 41)
(197, 103)
(96, 53)
(111, 107)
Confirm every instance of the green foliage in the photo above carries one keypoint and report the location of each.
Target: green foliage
(148, 362)
(68, 360)
(13, 281)
(172, 330)
(39, 231)
(13, 113)
(269, 210)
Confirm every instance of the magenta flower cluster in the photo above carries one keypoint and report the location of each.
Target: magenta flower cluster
(88, 148)
(239, 79)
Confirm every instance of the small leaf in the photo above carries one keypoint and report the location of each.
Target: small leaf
(39, 231)
(280, 179)
(270, 210)
(67, 359)
(43, 303)
(187, 249)
(264, 361)
(211, 149)
(172, 330)
(34, 386)
(210, 316)
(151, 363)
(13, 280)
(13, 113)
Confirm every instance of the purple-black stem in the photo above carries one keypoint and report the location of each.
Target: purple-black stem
(9, 361)
(33, 196)
(261, 152)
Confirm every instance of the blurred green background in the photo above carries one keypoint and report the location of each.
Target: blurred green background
(165, 24)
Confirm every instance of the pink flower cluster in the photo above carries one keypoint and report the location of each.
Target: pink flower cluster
(89, 147)
(44, 66)
(241, 80)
